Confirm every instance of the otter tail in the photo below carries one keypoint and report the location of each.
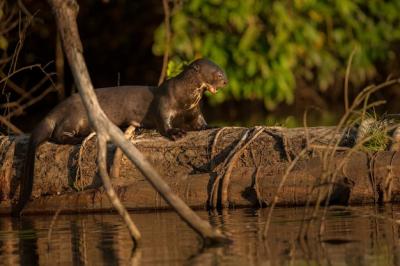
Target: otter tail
(40, 134)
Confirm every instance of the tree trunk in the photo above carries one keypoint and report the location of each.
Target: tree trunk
(190, 166)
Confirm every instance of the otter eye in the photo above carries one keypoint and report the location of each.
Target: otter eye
(196, 67)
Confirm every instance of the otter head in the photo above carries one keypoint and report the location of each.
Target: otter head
(211, 76)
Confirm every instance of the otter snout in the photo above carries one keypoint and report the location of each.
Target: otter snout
(222, 80)
(225, 81)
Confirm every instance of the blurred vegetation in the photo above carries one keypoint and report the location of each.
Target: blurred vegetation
(6, 22)
(267, 46)
(3, 40)
(117, 36)
(275, 53)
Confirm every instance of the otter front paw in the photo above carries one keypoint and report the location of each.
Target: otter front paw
(175, 133)
(203, 127)
(200, 127)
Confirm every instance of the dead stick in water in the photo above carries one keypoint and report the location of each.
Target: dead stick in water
(65, 12)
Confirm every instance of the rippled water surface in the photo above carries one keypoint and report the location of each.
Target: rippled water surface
(359, 236)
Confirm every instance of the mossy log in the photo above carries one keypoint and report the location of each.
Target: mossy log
(66, 179)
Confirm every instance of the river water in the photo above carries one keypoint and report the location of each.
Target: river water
(365, 235)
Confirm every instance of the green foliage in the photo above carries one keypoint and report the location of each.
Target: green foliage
(265, 46)
(3, 40)
(377, 138)
(372, 132)
(378, 141)
(174, 68)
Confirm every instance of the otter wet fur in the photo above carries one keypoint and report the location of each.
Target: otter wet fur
(172, 108)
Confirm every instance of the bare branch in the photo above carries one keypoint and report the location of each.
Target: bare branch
(65, 12)
(167, 41)
(22, 107)
(346, 81)
(10, 125)
(19, 70)
(102, 162)
(13, 86)
(60, 68)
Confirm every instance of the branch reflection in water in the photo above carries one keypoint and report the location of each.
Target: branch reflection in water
(354, 236)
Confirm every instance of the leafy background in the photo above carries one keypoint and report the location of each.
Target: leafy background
(268, 46)
(280, 56)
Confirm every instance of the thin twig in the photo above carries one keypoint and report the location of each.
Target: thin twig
(167, 41)
(10, 125)
(346, 81)
(14, 86)
(21, 108)
(59, 62)
(17, 103)
(24, 9)
(19, 70)
(275, 198)
(79, 172)
(232, 162)
(256, 187)
(283, 180)
(116, 166)
(331, 176)
(213, 200)
(22, 34)
(34, 89)
(213, 147)
(305, 125)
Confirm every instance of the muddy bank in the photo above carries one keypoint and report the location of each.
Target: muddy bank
(251, 161)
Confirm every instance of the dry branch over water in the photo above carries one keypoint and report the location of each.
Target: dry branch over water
(195, 164)
(65, 13)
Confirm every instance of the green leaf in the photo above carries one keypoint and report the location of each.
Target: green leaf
(3, 43)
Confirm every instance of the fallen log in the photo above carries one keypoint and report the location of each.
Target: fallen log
(66, 175)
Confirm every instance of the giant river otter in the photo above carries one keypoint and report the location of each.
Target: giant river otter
(171, 108)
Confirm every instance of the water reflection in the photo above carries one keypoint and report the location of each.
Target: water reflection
(78, 243)
(359, 236)
(27, 241)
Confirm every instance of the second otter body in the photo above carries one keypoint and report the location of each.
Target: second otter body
(68, 122)
(170, 108)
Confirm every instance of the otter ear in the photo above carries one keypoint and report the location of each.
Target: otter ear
(196, 67)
